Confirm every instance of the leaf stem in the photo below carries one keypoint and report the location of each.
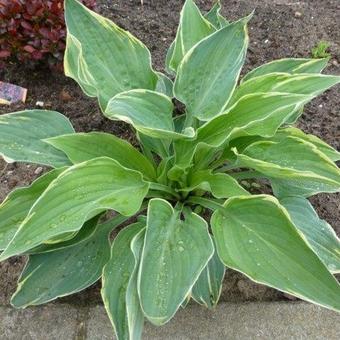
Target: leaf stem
(165, 188)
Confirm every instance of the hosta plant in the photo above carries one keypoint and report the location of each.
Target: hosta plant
(184, 195)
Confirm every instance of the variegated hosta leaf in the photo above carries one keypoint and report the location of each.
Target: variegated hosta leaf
(160, 147)
(66, 270)
(80, 192)
(17, 204)
(75, 66)
(295, 167)
(309, 84)
(208, 73)
(258, 114)
(164, 85)
(86, 231)
(103, 58)
(80, 147)
(191, 29)
(208, 287)
(115, 279)
(255, 236)
(220, 185)
(319, 234)
(214, 16)
(288, 65)
(326, 149)
(174, 254)
(133, 308)
(22, 134)
(242, 142)
(149, 112)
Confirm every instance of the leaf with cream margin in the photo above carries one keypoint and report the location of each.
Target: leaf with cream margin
(220, 185)
(18, 203)
(110, 60)
(149, 112)
(288, 65)
(81, 147)
(208, 73)
(67, 270)
(319, 234)
(79, 193)
(22, 134)
(208, 287)
(294, 166)
(192, 28)
(175, 253)
(116, 276)
(255, 235)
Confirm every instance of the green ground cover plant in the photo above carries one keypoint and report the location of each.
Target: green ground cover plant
(187, 166)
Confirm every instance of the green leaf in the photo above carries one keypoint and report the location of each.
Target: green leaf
(288, 65)
(174, 254)
(80, 147)
(86, 231)
(214, 16)
(323, 147)
(191, 29)
(115, 279)
(319, 234)
(22, 134)
(208, 287)
(309, 84)
(79, 193)
(64, 271)
(296, 167)
(164, 85)
(75, 67)
(168, 57)
(220, 185)
(208, 74)
(258, 114)
(149, 112)
(110, 60)
(17, 204)
(134, 311)
(160, 147)
(254, 235)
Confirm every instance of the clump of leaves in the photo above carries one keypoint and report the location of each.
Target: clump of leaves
(321, 50)
(232, 130)
(33, 30)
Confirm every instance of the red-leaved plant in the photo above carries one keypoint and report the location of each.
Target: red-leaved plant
(33, 30)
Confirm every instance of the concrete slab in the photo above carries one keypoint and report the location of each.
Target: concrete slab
(229, 321)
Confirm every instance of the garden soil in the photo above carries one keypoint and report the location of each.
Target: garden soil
(279, 28)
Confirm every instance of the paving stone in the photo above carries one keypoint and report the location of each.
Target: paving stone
(272, 320)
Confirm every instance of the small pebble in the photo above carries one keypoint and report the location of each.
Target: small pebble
(335, 63)
(39, 103)
(38, 170)
(65, 96)
(298, 14)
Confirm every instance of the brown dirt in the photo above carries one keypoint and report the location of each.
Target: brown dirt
(279, 28)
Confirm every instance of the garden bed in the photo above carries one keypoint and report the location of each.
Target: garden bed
(279, 28)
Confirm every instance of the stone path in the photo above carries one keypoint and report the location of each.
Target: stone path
(229, 321)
